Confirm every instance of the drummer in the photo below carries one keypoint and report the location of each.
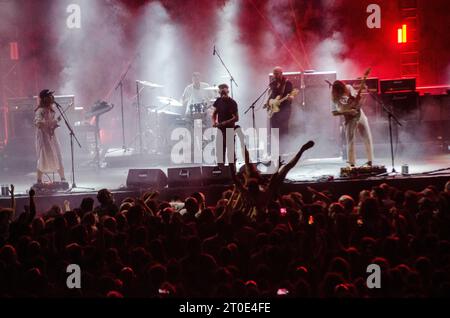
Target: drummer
(196, 97)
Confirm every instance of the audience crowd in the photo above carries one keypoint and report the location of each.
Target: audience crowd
(308, 244)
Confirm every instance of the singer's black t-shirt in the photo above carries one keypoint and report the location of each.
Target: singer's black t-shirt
(226, 107)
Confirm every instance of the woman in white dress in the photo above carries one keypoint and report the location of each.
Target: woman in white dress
(47, 145)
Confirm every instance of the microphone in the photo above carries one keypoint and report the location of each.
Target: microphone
(328, 82)
(214, 50)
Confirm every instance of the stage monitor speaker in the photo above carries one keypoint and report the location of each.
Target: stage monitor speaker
(146, 178)
(182, 177)
(216, 175)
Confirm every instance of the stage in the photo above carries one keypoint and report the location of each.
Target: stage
(318, 173)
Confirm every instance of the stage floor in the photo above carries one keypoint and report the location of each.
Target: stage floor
(92, 179)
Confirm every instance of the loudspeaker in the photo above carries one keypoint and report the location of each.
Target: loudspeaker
(216, 175)
(371, 107)
(404, 105)
(21, 117)
(188, 176)
(19, 154)
(316, 118)
(146, 178)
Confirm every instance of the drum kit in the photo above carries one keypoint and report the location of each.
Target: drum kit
(158, 121)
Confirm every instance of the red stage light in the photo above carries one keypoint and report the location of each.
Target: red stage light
(14, 51)
(404, 33)
(401, 34)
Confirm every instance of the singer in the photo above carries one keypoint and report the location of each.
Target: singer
(47, 145)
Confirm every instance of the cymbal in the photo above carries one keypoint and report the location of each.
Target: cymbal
(211, 88)
(149, 84)
(165, 112)
(169, 100)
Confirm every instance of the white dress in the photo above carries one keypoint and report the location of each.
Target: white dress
(47, 145)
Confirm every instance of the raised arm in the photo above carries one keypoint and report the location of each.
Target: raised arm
(276, 181)
(238, 184)
(13, 202)
(32, 214)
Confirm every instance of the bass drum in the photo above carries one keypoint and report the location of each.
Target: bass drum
(159, 127)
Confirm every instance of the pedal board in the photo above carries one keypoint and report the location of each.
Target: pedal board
(362, 172)
(51, 187)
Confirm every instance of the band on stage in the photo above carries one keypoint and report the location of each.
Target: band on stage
(211, 106)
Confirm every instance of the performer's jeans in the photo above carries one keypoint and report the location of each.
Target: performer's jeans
(225, 144)
(362, 125)
(280, 120)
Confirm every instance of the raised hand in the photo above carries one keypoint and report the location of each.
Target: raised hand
(66, 206)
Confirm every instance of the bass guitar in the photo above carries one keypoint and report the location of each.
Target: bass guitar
(273, 106)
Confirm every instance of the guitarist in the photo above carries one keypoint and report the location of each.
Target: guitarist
(346, 101)
(281, 86)
(47, 145)
(224, 118)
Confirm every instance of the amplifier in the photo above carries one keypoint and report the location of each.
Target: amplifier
(31, 102)
(405, 105)
(318, 79)
(21, 113)
(397, 85)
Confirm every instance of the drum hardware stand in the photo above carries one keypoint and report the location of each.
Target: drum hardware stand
(215, 52)
(138, 106)
(72, 138)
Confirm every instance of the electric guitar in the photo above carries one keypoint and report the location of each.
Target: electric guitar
(51, 129)
(273, 106)
(354, 102)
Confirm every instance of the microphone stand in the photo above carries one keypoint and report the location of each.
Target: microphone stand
(72, 137)
(138, 101)
(390, 117)
(215, 52)
(252, 107)
(120, 87)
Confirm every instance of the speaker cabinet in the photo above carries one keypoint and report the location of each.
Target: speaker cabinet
(21, 123)
(146, 178)
(404, 105)
(216, 175)
(182, 177)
